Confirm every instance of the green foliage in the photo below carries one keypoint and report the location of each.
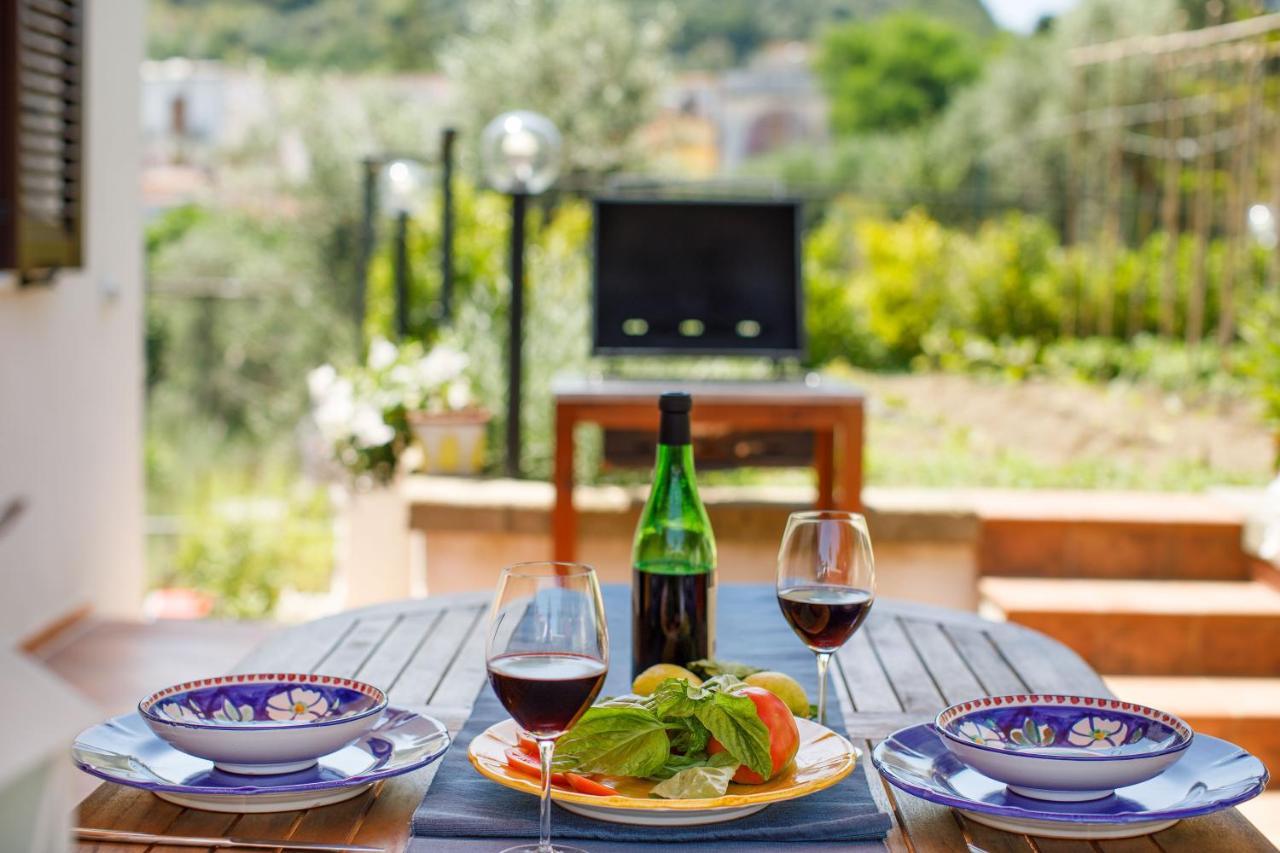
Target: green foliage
(244, 538)
(482, 222)
(1009, 286)
(408, 34)
(582, 63)
(556, 332)
(903, 281)
(1262, 360)
(893, 293)
(393, 35)
(233, 323)
(1146, 359)
(893, 72)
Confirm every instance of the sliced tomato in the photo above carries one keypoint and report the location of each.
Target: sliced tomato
(522, 763)
(583, 785)
(527, 744)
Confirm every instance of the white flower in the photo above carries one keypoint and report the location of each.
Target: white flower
(980, 734)
(382, 354)
(443, 364)
(458, 396)
(401, 375)
(369, 429)
(320, 382)
(297, 704)
(1097, 733)
(335, 412)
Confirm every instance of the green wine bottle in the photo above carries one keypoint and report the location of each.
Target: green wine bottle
(673, 579)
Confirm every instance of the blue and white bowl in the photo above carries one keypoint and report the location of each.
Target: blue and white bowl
(1063, 748)
(265, 723)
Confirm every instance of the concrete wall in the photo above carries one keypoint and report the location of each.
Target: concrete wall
(924, 546)
(71, 369)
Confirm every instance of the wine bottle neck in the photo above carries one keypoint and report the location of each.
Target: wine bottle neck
(674, 457)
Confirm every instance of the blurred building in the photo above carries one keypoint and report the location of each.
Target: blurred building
(194, 111)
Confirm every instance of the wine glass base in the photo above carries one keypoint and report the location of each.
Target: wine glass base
(534, 848)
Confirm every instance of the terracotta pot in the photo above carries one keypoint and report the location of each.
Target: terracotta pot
(451, 442)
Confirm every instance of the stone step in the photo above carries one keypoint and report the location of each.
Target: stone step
(1149, 627)
(1245, 711)
(1135, 535)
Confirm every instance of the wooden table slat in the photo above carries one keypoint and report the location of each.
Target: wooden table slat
(1143, 844)
(930, 826)
(990, 840)
(406, 638)
(990, 667)
(913, 684)
(864, 676)
(1046, 666)
(950, 673)
(419, 679)
(299, 649)
(359, 646)
(193, 822)
(1228, 831)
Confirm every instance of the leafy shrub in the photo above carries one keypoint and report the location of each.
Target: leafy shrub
(887, 293)
(244, 538)
(1262, 358)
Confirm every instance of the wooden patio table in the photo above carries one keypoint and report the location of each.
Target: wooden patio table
(906, 663)
(832, 411)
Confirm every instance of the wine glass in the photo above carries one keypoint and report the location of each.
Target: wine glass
(826, 582)
(547, 652)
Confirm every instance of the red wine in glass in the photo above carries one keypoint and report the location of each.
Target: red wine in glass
(825, 617)
(546, 692)
(826, 582)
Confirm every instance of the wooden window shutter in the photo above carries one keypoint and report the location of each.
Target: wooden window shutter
(41, 135)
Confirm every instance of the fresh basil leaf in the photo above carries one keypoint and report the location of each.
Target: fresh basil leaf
(722, 683)
(734, 722)
(626, 700)
(676, 697)
(688, 735)
(619, 741)
(696, 783)
(709, 668)
(675, 763)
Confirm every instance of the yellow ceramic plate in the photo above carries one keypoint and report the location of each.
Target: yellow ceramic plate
(823, 759)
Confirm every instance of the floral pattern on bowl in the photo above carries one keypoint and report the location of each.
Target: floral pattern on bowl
(1064, 726)
(265, 723)
(267, 699)
(1065, 748)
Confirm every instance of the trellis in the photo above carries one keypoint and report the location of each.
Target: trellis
(1201, 147)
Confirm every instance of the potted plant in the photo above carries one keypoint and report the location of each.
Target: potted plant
(370, 415)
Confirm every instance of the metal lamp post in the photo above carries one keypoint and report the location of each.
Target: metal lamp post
(403, 181)
(396, 185)
(520, 152)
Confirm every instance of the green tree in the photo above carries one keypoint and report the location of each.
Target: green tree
(894, 72)
(582, 63)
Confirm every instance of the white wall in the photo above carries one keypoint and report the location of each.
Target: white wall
(71, 375)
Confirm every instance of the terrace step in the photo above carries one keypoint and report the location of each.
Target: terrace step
(1134, 535)
(1245, 711)
(1149, 627)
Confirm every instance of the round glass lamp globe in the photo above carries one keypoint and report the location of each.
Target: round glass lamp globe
(404, 185)
(520, 152)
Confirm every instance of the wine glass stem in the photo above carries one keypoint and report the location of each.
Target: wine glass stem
(546, 748)
(824, 661)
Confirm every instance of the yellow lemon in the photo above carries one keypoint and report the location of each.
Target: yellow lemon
(785, 688)
(648, 681)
